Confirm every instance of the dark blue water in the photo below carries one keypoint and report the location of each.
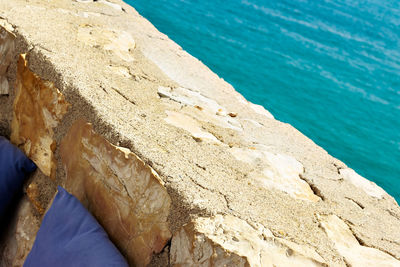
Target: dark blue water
(329, 68)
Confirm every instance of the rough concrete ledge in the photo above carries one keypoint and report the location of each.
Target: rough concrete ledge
(182, 170)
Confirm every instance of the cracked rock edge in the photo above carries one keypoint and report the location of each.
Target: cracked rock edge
(225, 240)
(38, 108)
(349, 248)
(126, 195)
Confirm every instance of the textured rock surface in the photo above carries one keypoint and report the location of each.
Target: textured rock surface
(215, 152)
(277, 171)
(33, 194)
(368, 187)
(21, 236)
(124, 194)
(120, 43)
(110, 4)
(7, 43)
(207, 107)
(38, 108)
(187, 123)
(229, 241)
(348, 246)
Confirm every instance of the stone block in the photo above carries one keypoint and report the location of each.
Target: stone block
(225, 240)
(38, 108)
(125, 194)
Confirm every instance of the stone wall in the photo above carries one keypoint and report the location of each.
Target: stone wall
(176, 165)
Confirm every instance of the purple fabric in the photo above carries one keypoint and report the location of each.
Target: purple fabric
(14, 168)
(71, 236)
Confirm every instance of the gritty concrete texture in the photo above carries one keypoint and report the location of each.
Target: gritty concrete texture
(216, 153)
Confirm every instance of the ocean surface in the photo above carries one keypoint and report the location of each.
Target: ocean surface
(329, 68)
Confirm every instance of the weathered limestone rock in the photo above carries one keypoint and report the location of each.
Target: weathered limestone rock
(113, 5)
(123, 71)
(260, 110)
(348, 246)
(120, 43)
(191, 98)
(189, 124)
(256, 108)
(357, 180)
(125, 194)
(7, 40)
(211, 111)
(230, 241)
(38, 108)
(278, 171)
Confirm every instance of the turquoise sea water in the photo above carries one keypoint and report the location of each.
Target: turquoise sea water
(329, 68)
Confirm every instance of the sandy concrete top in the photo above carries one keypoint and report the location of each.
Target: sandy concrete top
(216, 152)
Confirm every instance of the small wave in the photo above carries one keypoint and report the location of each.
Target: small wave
(277, 14)
(232, 41)
(239, 21)
(351, 17)
(370, 56)
(301, 64)
(328, 75)
(346, 35)
(396, 144)
(314, 24)
(377, 99)
(209, 15)
(361, 64)
(331, 51)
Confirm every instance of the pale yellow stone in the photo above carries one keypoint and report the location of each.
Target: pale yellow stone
(7, 45)
(120, 70)
(113, 5)
(215, 119)
(189, 124)
(110, 4)
(79, 14)
(125, 194)
(348, 246)
(211, 111)
(260, 110)
(38, 108)
(229, 241)
(277, 171)
(7, 26)
(191, 98)
(367, 186)
(121, 43)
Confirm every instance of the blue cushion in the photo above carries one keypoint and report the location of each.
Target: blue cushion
(71, 236)
(14, 167)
